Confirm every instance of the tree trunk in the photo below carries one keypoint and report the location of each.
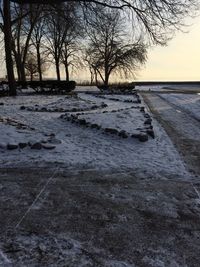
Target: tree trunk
(39, 62)
(22, 70)
(67, 72)
(58, 69)
(8, 48)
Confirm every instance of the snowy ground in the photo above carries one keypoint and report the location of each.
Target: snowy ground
(95, 199)
(188, 102)
(78, 147)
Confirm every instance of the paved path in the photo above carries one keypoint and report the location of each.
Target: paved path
(182, 127)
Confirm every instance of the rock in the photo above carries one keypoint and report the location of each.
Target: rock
(12, 146)
(123, 134)
(22, 107)
(37, 146)
(23, 145)
(143, 137)
(135, 135)
(111, 130)
(43, 109)
(82, 121)
(1, 103)
(94, 125)
(150, 132)
(148, 121)
(146, 115)
(47, 146)
(142, 109)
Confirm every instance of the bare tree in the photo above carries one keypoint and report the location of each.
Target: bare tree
(38, 35)
(59, 35)
(158, 19)
(31, 66)
(26, 17)
(108, 48)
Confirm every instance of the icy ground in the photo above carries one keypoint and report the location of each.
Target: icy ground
(79, 147)
(188, 102)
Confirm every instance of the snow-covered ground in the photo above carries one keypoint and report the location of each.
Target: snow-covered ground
(81, 147)
(188, 102)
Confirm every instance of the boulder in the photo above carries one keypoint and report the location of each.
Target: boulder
(22, 107)
(143, 137)
(37, 146)
(43, 109)
(123, 134)
(150, 132)
(96, 126)
(12, 146)
(148, 121)
(1, 103)
(135, 135)
(23, 145)
(111, 131)
(142, 109)
(82, 121)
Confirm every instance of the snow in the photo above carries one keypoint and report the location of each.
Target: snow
(187, 102)
(80, 147)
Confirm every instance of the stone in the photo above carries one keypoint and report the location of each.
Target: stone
(1, 103)
(23, 145)
(146, 115)
(123, 134)
(43, 109)
(151, 133)
(95, 126)
(142, 109)
(22, 107)
(111, 130)
(37, 146)
(143, 137)
(47, 146)
(82, 121)
(12, 146)
(135, 135)
(148, 121)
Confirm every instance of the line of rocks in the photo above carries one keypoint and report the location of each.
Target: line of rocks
(45, 109)
(148, 123)
(137, 101)
(48, 144)
(35, 146)
(142, 135)
(107, 111)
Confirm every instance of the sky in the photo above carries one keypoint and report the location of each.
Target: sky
(178, 61)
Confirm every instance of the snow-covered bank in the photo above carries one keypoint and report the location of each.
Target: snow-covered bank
(81, 147)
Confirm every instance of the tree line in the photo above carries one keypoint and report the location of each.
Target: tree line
(93, 34)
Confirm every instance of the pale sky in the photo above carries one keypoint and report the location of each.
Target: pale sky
(180, 60)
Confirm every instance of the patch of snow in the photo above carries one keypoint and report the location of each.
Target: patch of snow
(80, 147)
(187, 102)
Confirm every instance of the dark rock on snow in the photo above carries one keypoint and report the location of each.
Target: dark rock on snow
(111, 130)
(123, 134)
(23, 145)
(12, 146)
(143, 137)
(37, 146)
